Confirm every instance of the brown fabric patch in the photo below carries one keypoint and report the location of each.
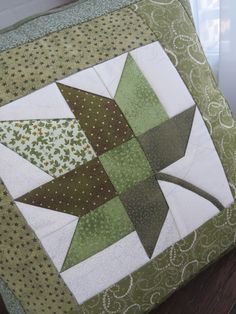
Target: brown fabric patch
(77, 192)
(100, 118)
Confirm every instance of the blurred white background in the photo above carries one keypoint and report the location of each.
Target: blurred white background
(12, 11)
(215, 22)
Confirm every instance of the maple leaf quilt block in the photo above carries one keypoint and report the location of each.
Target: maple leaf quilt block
(116, 158)
(117, 169)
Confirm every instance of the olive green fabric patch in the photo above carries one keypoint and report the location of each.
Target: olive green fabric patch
(166, 143)
(99, 229)
(137, 99)
(36, 64)
(147, 209)
(77, 192)
(126, 165)
(55, 146)
(25, 267)
(100, 118)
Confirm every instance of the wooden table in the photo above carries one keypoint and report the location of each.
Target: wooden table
(212, 292)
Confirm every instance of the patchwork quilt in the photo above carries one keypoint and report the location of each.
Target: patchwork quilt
(117, 158)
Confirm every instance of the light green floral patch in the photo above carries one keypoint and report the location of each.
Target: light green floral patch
(55, 146)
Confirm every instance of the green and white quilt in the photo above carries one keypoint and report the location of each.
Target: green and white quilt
(117, 158)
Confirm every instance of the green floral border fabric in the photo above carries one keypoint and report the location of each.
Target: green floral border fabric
(142, 289)
(179, 39)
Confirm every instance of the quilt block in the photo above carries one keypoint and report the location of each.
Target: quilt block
(113, 169)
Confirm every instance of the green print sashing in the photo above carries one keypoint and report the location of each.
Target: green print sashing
(104, 198)
(62, 53)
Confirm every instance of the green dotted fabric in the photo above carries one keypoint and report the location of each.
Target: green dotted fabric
(76, 13)
(77, 192)
(36, 64)
(100, 118)
(26, 268)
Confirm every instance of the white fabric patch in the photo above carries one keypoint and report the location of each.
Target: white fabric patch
(18, 174)
(189, 209)
(87, 80)
(169, 235)
(54, 229)
(105, 268)
(57, 243)
(110, 72)
(44, 221)
(201, 165)
(45, 103)
(163, 78)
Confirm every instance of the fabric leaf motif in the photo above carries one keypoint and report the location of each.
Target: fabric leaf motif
(55, 146)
